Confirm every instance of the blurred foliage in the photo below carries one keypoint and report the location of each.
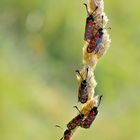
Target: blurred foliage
(40, 48)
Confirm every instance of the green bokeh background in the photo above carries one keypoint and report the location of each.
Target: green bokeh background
(41, 46)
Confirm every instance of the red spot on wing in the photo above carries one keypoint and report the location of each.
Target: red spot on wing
(90, 24)
(96, 36)
(91, 114)
(88, 32)
(89, 121)
(93, 43)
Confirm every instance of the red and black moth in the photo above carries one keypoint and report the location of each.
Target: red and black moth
(83, 88)
(81, 120)
(97, 41)
(89, 28)
(75, 122)
(88, 120)
(67, 135)
(94, 44)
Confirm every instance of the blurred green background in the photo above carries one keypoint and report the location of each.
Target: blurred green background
(41, 46)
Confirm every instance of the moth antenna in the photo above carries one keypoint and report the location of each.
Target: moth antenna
(100, 98)
(87, 72)
(62, 138)
(59, 126)
(77, 109)
(87, 9)
(102, 19)
(95, 9)
(78, 72)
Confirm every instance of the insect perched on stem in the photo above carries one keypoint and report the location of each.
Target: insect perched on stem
(88, 120)
(83, 88)
(75, 122)
(89, 26)
(96, 42)
(67, 133)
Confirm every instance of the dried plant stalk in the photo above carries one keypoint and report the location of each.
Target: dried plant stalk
(90, 60)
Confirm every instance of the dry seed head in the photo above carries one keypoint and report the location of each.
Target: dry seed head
(91, 6)
(89, 59)
(88, 106)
